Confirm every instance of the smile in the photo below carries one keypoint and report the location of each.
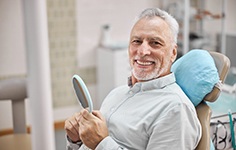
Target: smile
(144, 63)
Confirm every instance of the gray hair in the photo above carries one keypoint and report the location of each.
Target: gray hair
(170, 20)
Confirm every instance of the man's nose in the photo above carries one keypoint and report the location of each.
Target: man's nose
(144, 49)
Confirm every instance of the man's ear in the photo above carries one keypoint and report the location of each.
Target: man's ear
(174, 53)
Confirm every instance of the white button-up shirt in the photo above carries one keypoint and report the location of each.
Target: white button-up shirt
(152, 115)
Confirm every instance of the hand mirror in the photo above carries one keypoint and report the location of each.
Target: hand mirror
(82, 93)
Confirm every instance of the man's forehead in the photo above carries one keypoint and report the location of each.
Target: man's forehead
(155, 23)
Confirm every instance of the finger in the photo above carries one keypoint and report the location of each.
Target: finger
(74, 137)
(76, 128)
(98, 114)
(77, 117)
(74, 121)
(74, 133)
(68, 124)
(70, 129)
(71, 134)
(83, 122)
(86, 115)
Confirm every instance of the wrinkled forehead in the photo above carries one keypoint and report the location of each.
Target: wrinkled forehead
(151, 25)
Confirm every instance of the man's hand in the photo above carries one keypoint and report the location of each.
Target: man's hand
(72, 127)
(92, 128)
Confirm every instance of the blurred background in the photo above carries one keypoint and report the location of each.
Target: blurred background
(90, 38)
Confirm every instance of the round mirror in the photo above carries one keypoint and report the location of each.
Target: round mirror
(82, 93)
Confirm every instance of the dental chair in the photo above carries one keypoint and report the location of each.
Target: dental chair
(15, 90)
(203, 110)
(200, 74)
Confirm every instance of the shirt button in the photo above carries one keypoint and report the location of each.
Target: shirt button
(112, 109)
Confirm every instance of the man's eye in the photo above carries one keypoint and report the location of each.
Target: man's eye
(136, 41)
(155, 43)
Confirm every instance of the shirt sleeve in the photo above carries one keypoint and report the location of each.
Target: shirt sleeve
(109, 144)
(106, 144)
(176, 130)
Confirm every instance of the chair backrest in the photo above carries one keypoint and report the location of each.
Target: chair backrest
(15, 90)
(222, 64)
(203, 110)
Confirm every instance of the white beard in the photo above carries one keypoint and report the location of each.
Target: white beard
(143, 76)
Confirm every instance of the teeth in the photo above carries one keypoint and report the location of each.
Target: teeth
(146, 63)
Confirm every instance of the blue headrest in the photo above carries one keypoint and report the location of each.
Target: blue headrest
(196, 74)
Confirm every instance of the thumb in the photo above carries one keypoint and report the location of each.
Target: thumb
(98, 114)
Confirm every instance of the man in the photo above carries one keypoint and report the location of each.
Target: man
(153, 113)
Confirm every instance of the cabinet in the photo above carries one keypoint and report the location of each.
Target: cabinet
(112, 70)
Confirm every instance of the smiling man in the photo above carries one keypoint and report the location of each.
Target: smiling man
(152, 113)
(152, 50)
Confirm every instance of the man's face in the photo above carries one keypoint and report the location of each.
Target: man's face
(151, 49)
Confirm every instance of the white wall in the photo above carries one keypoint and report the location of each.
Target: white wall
(12, 48)
(91, 15)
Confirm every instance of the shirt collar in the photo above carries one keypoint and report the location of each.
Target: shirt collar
(153, 84)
